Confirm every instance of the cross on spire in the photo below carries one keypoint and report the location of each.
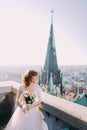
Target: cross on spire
(52, 11)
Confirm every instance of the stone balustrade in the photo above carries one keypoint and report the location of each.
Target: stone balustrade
(59, 113)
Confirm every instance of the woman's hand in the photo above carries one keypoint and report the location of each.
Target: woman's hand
(24, 108)
(28, 106)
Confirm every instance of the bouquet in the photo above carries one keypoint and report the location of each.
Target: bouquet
(29, 97)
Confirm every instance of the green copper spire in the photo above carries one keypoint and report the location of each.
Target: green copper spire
(51, 65)
(51, 59)
(50, 84)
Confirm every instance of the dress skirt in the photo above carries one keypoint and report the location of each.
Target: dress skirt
(31, 120)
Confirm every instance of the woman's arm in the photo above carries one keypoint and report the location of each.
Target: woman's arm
(35, 104)
(19, 99)
(19, 103)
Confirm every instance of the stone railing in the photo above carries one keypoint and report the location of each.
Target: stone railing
(59, 113)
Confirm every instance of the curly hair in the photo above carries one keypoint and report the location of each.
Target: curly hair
(26, 79)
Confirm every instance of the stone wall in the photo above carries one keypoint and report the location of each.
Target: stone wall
(59, 113)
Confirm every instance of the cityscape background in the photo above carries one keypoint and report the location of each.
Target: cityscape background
(25, 27)
(24, 32)
(73, 77)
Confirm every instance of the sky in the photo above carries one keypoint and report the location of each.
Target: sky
(25, 27)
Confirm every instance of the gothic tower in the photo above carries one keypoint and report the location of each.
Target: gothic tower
(51, 65)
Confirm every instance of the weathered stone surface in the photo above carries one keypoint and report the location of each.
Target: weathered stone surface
(56, 110)
(5, 111)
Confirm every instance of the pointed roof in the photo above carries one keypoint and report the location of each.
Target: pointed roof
(51, 58)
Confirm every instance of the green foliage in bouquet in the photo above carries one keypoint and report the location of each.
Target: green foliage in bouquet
(29, 97)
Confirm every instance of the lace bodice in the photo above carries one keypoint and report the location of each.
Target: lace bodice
(34, 89)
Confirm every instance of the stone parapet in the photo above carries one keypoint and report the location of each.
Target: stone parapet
(55, 109)
(73, 114)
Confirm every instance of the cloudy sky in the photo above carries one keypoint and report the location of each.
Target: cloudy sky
(25, 27)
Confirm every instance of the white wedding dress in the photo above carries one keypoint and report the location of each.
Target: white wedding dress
(31, 120)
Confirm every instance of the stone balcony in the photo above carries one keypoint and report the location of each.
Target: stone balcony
(59, 113)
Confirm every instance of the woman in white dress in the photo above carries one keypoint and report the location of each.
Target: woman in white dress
(27, 116)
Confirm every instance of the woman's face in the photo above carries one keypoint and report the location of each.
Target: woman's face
(34, 79)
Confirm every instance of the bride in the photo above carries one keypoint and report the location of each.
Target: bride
(27, 116)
